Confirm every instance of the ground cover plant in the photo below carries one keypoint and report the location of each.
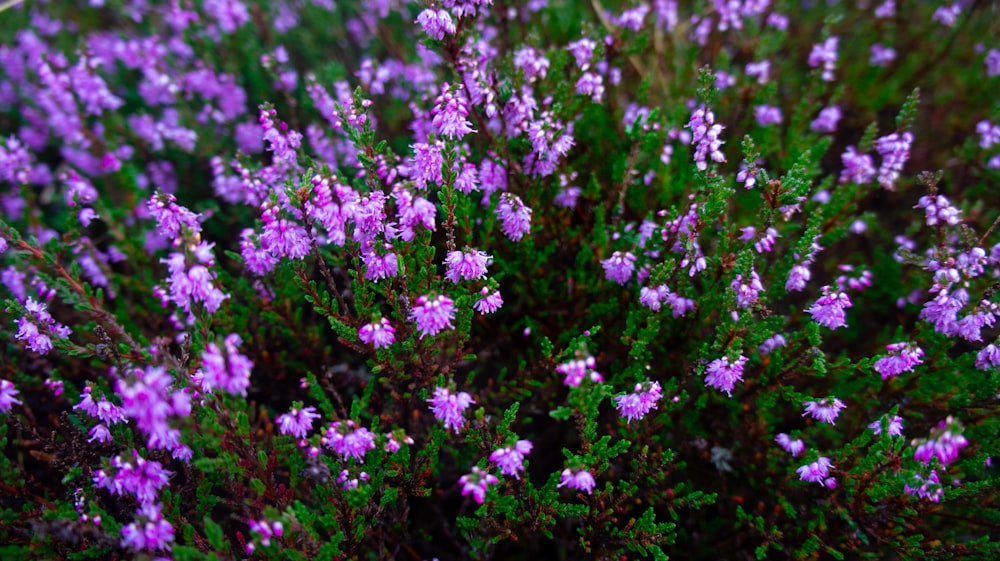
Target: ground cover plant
(474, 279)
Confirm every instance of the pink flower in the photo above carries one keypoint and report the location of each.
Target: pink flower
(378, 333)
(436, 23)
(581, 480)
(575, 371)
(450, 114)
(468, 265)
(510, 459)
(149, 531)
(7, 396)
(449, 407)
(944, 443)
(619, 267)
(514, 215)
(816, 472)
(476, 483)
(489, 303)
(723, 376)
(824, 410)
(637, 404)
(903, 357)
(433, 314)
(793, 447)
(828, 310)
(348, 441)
(895, 426)
(297, 422)
(229, 372)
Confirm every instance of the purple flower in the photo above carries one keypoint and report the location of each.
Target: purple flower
(825, 54)
(581, 480)
(591, 84)
(436, 23)
(828, 310)
(929, 488)
(7, 396)
(425, 167)
(903, 357)
(139, 477)
(989, 134)
(992, 62)
(705, 134)
(36, 327)
(476, 483)
(282, 237)
(102, 409)
(858, 168)
(229, 372)
(761, 70)
(817, 471)
(989, 357)
(468, 265)
(767, 115)
(944, 443)
(774, 342)
(174, 221)
(575, 371)
(433, 314)
(895, 150)
(514, 215)
(723, 376)
(619, 267)
(881, 56)
(640, 402)
(264, 531)
(827, 120)
(348, 441)
(450, 114)
(449, 407)
(793, 447)
(825, 410)
(510, 459)
(895, 426)
(149, 531)
(378, 267)
(582, 50)
(297, 422)
(489, 303)
(378, 333)
(747, 293)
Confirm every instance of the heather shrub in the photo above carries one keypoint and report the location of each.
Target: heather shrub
(470, 279)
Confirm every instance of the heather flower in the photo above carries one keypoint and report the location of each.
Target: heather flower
(378, 333)
(895, 150)
(827, 119)
(748, 292)
(264, 531)
(282, 237)
(581, 480)
(7, 396)
(510, 459)
(449, 407)
(476, 483)
(903, 357)
(229, 371)
(36, 327)
(101, 409)
(149, 531)
(825, 410)
(533, 64)
(490, 301)
(139, 477)
(378, 267)
(705, 134)
(767, 115)
(793, 447)
(944, 443)
(929, 488)
(992, 62)
(989, 134)
(298, 421)
(619, 267)
(433, 314)
(895, 426)
(582, 51)
(989, 357)
(817, 471)
(172, 219)
(468, 265)
(514, 215)
(882, 56)
(348, 482)
(828, 310)
(450, 114)
(825, 54)
(640, 402)
(148, 399)
(722, 375)
(760, 70)
(348, 441)
(947, 15)
(425, 166)
(773, 342)
(858, 168)
(575, 371)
